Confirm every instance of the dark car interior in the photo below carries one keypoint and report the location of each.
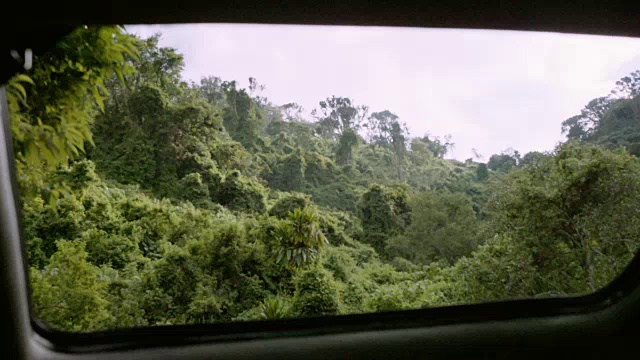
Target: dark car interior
(598, 325)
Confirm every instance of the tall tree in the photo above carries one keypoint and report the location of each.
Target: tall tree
(477, 156)
(339, 119)
(439, 148)
(384, 212)
(337, 114)
(241, 117)
(384, 129)
(399, 143)
(505, 161)
(482, 173)
(610, 121)
(532, 158)
(157, 66)
(268, 111)
(344, 151)
(573, 211)
(212, 90)
(292, 112)
(166, 123)
(628, 87)
(581, 127)
(443, 227)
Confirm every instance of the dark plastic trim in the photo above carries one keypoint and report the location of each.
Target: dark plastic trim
(14, 299)
(604, 17)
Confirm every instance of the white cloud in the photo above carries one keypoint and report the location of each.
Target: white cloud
(489, 89)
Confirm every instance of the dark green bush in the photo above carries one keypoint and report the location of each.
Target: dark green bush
(287, 204)
(316, 293)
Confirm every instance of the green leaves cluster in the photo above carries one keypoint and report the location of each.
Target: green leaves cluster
(443, 227)
(52, 106)
(299, 238)
(384, 212)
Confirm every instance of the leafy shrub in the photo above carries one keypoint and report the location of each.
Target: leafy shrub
(353, 296)
(176, 275)
(68, 293)
(192, 188)
(205, 306)
(80, 174)
(384, 212)
(242, 194)
(113, 250)
(387, 299)
(275, 308)
(287, 204)
(402, 264)
(338, 261)
(316, 293)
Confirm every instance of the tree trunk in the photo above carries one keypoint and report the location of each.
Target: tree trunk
(400, 174)
(588, 263)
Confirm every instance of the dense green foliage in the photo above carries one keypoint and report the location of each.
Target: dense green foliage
(183, 203)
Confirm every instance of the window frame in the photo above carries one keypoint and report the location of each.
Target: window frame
(609, 311)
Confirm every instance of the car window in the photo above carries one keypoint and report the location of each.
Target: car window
(198, 174)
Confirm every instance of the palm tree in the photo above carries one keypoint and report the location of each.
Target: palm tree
(299, 237)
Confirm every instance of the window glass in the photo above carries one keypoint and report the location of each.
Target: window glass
(213, 173)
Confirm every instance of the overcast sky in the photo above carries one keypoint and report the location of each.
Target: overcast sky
(490, 90)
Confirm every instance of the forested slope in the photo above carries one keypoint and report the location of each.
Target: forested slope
(151, 201)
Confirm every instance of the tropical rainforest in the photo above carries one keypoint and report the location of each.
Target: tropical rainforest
(147, 200)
